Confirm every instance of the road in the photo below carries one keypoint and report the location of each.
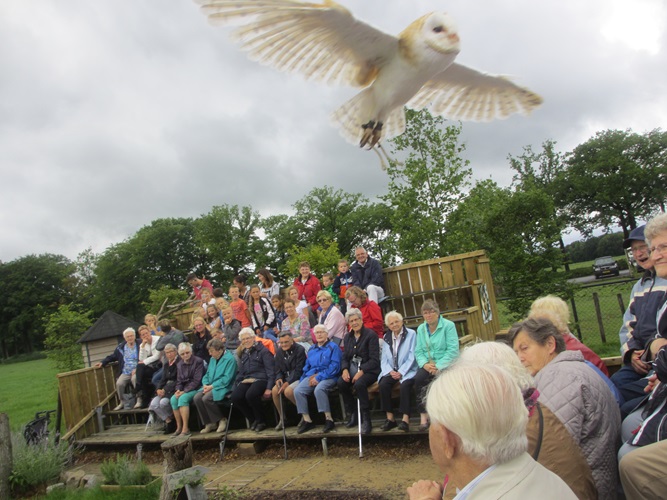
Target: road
(590, 279)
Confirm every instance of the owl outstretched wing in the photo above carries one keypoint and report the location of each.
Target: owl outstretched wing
(323, 42)
(462, 93)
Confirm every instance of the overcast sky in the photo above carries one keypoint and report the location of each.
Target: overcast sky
(114, 113)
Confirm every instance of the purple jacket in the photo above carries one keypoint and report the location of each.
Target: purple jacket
(190, 374)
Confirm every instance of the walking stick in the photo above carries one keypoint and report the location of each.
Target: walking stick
(361, 450)
(282, 420)
(224, 439)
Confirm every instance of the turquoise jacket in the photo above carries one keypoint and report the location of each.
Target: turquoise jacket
(442, 346)
(221, 374)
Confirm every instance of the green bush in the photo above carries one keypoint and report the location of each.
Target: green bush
(124, 472)
(151, 492)
(35, 465)
(20, 358)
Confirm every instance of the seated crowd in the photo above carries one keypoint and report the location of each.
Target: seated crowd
(537, 414)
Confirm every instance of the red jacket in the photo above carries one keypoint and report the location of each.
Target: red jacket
(308, 290)
(371, 315)
(572, 343)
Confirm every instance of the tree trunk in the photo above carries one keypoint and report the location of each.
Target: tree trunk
(177, 453)
(5, 455)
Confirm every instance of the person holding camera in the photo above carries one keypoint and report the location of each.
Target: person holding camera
(360, 369)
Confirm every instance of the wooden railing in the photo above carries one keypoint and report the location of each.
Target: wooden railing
(81, 393)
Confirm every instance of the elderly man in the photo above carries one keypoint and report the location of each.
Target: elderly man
(290, 359)
(639, 321)
(478, 439)
(127, 356)
(367, 275)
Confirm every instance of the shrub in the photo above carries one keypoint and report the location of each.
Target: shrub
(20, 358)
(124, 472)
(36, 465)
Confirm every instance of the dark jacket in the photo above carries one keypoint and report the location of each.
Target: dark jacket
(289, 364)
(169, 378)
(258, 363)
(367, 347)
(323, 361)
(232, 331)
(190, 374)
(341, 283)
(199, 346)
(117, 355)
(173, 336)
(368, 274)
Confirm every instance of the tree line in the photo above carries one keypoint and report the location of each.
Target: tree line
(431, 209)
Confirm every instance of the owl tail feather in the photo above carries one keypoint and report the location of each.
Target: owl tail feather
(359, 110)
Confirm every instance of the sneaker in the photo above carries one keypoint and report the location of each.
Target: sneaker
(207, 429)
(305, 427)
(119, 407)
(403, 426)
(389, 425)
(138, 404)
(329, 426)
(222, 425)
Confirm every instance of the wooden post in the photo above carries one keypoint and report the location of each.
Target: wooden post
(5, 455)
(598, 313)
(177, 453)
(576, 318)
(620, 302)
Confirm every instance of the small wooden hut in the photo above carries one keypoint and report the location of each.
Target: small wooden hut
(102, 338)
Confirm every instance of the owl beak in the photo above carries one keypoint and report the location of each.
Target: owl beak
(453, 37)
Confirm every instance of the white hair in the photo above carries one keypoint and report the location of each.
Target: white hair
(502, 355)
(483, 406)
(246, 332)
(655, 226)
(184, 346)
(392, 314)
(129, 330)
(319, 327)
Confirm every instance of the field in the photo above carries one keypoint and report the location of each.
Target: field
(27, 388)
(612, 317)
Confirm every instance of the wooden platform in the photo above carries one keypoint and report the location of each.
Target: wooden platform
(131, 435)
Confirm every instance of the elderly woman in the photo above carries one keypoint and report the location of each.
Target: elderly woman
(149, 363)
(216, 384)
(549, 442)
(478, 439)
(331, 317)
(296, 324)
(370, 311)
(437, 346)
(127, 356)
(360, 368)
(575, 393)
(319, 376)
(399, 366)
(165, 389)
(201, 339)
(188, 380)
(255, 379)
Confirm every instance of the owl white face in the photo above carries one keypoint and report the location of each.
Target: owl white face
(440, 33)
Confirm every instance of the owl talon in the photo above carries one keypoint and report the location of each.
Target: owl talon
(372, 134)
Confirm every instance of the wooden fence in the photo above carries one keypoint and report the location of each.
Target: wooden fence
(81, 393)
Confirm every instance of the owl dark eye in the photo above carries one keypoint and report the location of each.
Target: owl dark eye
(438, 29)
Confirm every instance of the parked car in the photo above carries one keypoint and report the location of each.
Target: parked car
(605, 266)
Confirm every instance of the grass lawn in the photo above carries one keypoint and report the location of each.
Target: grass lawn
(27, 388)
(612, 316)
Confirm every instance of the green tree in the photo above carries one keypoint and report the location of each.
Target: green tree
(427, 186)
(616, 177)
(63, 328)
(322, 258)
(228, 237)
(164, 295)
(30, 288)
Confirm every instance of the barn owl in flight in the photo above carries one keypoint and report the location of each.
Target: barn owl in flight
(324, 42)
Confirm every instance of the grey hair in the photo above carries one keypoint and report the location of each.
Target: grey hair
(129, 330)
(353, 311)
(216, 344)
(170, 347)
(392, 314)
(430, 305)
(184, 346)
(502, 355)
(320, 327)
(655, 226)
(483, 406)
(538, 329)
(246, 332)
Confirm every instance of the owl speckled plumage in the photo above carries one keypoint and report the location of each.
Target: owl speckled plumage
(324, 42)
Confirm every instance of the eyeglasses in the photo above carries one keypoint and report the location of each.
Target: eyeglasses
(660, 249)
(322, 300)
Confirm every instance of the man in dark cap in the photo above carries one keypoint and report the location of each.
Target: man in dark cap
(639, 321)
